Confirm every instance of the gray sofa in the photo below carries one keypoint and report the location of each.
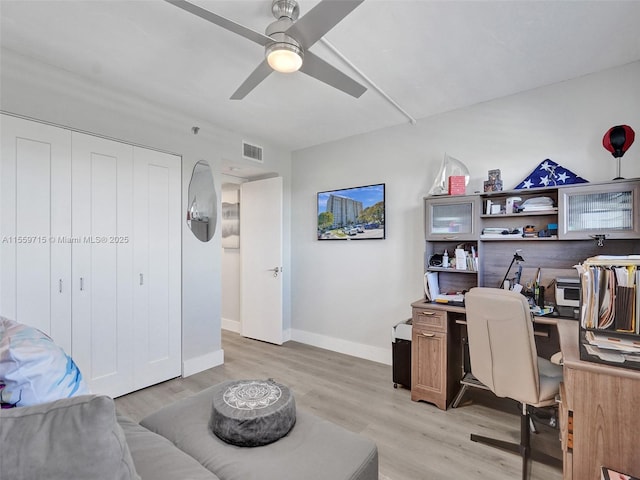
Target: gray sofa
(84, 437)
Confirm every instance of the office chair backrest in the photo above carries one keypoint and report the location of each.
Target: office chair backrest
(502, 347)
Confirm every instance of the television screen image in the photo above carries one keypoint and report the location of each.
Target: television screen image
(355, 213)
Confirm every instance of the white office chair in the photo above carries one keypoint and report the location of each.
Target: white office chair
(503, 357)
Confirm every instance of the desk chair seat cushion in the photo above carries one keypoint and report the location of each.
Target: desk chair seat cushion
(550, 377)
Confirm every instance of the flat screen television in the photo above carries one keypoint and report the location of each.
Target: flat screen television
(355, 213)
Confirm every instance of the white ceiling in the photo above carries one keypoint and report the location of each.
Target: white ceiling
(428, 56)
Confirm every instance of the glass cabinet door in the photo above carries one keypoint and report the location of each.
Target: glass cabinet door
(451, 218)
(610, 210)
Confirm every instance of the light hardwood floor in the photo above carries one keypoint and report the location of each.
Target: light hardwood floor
(416, 440)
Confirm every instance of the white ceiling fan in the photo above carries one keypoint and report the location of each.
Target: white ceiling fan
(287, 41)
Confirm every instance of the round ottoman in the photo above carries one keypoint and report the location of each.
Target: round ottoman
(250, 413)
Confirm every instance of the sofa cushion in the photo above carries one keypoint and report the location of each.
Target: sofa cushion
(314, 449)
(156, 458)
(251, 413)
(72, 439)
(33, 368)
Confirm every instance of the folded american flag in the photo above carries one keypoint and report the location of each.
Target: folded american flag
(548, 174)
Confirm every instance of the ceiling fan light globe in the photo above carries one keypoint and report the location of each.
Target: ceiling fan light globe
(284, 58)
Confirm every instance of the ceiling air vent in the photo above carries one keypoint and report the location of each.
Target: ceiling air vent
(252, 152)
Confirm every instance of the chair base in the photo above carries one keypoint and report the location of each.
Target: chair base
(467, 381)
(516, 448)
(523, 448)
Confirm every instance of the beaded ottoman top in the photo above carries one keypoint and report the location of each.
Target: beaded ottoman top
(251, 413)
(252, 394)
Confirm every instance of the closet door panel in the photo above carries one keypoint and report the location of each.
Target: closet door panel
(35, 227)
(102, 265)
(157, 257)
(33, 224)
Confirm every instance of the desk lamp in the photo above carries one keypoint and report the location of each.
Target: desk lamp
(516, 259)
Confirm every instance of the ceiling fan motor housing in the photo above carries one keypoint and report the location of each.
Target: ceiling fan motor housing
(286, 12)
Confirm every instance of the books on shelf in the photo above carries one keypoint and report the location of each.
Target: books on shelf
(464, 258)
(461, 259)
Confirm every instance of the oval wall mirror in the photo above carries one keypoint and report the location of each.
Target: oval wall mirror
(202, 210)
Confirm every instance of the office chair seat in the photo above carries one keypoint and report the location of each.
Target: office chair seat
(550, 378)
(503, 357)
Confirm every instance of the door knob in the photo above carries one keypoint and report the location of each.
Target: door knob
(275, 271)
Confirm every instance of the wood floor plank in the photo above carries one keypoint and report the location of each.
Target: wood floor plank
(416, 440)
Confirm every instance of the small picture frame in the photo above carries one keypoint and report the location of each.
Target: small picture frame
(490, 186)
(494, 184)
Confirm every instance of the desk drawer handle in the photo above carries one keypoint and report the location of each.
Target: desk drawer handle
(429, 314)
(428, 335)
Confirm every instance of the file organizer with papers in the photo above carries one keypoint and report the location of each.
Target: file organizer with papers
(610, 310)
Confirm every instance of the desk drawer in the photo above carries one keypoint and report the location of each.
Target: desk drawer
(424, 318)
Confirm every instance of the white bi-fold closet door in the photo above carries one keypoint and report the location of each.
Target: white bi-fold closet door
(157, 267)
(35, 216)
(124, 284)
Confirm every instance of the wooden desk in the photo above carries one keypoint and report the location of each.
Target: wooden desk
(436, 351)
(599, 413)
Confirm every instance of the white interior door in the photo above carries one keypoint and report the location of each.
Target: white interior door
(157, 270)
(35, 224)
(261, 260)
(102, 263)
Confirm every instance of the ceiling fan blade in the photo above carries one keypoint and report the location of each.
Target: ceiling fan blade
(230, 25)
(320, 19)
(317, 68)
(261, 72)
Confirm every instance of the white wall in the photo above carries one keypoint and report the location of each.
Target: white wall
(347, 295)
(36, 90)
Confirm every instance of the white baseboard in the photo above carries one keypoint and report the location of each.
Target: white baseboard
(192, 366)
(286, 335)
(231, 325)
(234, 326)
(360, 350)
